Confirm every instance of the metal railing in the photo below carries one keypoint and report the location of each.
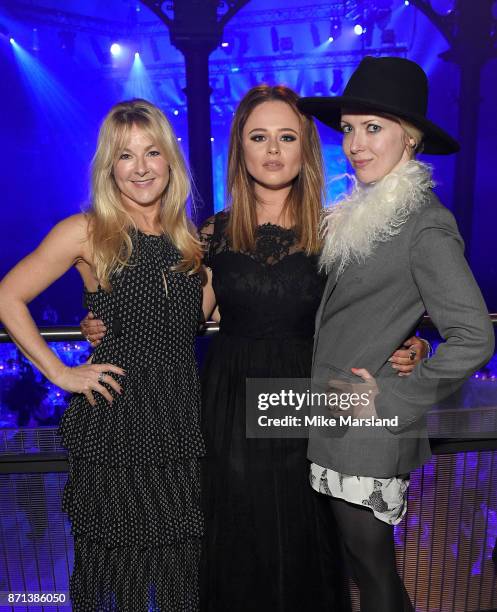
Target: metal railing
(39, 450)
(63, 333)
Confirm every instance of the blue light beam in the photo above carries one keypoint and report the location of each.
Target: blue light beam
(52, 103)
(139, 84)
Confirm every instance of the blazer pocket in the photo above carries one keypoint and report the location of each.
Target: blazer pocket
(337, 373)
(325, 374)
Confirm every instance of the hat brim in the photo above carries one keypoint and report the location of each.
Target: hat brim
(329, 110)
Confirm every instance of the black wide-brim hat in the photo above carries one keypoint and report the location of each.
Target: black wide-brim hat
(390, 85)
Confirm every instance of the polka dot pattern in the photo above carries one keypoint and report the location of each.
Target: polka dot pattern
(133, 493)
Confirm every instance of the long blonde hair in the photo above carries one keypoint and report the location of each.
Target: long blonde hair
(304, 202)
(109, 221)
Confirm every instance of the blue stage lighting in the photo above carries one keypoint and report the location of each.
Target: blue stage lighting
(115, 49)
(358, 29)
(406, 2)
(59, 111)
(331, 39)
(12, 41)
(225, 44)
(139, 84)
(176, 112)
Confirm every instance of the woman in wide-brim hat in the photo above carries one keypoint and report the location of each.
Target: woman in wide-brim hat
(392, 252)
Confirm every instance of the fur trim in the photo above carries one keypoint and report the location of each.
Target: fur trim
(373, 213)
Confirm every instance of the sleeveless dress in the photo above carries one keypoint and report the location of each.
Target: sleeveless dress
(133, 493)
(270, 544)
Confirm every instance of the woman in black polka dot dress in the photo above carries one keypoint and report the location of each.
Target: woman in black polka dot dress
(132, 426)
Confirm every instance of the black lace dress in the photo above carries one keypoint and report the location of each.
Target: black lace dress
(270, 543)
(133, 493)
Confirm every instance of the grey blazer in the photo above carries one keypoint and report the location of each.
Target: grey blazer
(370, 310)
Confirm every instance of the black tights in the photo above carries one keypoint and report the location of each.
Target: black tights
(370, 549)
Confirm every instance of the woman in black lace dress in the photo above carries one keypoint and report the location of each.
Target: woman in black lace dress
(132, 429)
(269, 545)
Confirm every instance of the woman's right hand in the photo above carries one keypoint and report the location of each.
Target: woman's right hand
(87, 379)
(93, 329)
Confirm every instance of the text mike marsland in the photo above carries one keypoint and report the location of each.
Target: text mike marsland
(321, 421)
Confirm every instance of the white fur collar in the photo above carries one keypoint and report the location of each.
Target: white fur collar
(372, 214)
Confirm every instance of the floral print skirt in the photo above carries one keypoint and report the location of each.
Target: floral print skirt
(386, 497)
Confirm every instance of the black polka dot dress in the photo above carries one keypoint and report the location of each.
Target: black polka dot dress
(133, 493)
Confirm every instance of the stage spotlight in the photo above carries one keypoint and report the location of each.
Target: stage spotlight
(139, 83)
(406, 2)
(331, 39)
(335, 28)
(316, 39)
(228, 45)
(12, 41)
(358, 29)
(175, 112)
(115, 49)
(62, 113)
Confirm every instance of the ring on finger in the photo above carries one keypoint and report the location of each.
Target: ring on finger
(101, 377)
(412, 354)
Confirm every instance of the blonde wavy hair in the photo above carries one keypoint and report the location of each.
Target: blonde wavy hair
(304, 202)
(109, 221)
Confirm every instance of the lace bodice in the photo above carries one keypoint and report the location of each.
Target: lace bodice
(273, 291)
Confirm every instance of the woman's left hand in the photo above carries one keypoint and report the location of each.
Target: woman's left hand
(363, 373)
(406, 358)
(369, 385)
